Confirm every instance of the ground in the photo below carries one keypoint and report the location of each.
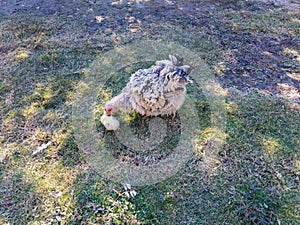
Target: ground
(253, 51)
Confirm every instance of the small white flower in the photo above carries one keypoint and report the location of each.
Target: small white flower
(126, 186)
(127, 194)
(133, 193)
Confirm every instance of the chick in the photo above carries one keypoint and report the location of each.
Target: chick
(110, 122)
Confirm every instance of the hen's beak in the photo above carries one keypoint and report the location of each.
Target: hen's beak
(107, 112)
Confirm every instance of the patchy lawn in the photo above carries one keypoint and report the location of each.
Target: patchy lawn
(252, 49)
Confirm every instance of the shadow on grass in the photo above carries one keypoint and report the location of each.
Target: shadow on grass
(250, 186)
(19, 202)
(271, 62)
(140, 124)
(69, 152)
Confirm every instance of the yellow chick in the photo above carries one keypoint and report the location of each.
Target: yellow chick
(110, 122)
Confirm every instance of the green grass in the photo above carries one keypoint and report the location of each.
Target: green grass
(253, 179)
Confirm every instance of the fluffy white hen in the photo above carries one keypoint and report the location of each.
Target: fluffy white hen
(158, 90)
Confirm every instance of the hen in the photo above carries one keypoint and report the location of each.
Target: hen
(158, 90)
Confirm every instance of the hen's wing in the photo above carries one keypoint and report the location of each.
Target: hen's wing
(158, 90)
(146, 88)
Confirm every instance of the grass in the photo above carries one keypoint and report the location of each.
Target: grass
(253, 179)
